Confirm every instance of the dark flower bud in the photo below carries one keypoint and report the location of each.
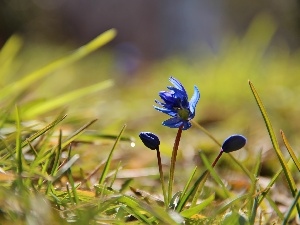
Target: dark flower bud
(150, 140)
(233, 143)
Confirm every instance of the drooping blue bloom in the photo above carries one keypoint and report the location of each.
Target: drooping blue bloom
(175, 104)
(150, 140)
(233, 143)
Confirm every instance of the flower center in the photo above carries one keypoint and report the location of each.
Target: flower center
(183, 114)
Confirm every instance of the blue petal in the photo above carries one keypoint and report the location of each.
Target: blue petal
(186, 125)
(169, 112)
(194, 100)
(177, 84)
(173, 122)
(176, 123)
(178, 93)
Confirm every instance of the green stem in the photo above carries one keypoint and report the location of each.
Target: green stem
(173, 162)
(161, 173)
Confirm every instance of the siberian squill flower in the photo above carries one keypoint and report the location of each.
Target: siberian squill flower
(175, 104)
(150, 140)
(233, 143)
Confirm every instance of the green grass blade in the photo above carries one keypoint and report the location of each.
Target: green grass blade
(42, 131)
(289, 212)
(230, 203)
(189, 193)
(65, 167)
(108, 161)
(290, 150)
(81, 52)
(62, 100)
(274, 205)
(198, 208)
(7, 54)
(268, 188)
(76, 133)
(253, 202)
(187, 185)
(287, 172)
(213, 173)
(19, 154)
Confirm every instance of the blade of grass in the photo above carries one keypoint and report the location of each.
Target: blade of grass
(230, 203)
(33, 77)
(253, 202)
(290, 150)
(187, 185)
(289, 212)
(198, 208)
(19, 154)
(108, 161)
(7, 54)
(268, 188)
(42, 131)
(287, 172)
(65, 167)
(189, 193)
(213, 173)
(61, 100)
(115, 175)
(56, 161)
(76, 133)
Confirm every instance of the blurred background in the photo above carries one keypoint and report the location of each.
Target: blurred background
(216, 45)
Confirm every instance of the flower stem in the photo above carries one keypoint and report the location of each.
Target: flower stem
(217, 159)
(161, 173)
(173, 162)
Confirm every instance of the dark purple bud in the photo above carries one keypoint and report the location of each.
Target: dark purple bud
(150, 140)
(233, 143)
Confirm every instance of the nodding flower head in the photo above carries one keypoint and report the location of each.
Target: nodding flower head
(233, 143)
(175, 104)
(150, 140)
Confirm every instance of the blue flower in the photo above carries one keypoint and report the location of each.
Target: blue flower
(233, 143)
(150, 140)
(175, 104)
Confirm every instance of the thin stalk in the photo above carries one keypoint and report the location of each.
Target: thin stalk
(173, 162)
(161, 174)
(217, 159)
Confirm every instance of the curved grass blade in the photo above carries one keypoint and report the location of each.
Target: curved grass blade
(198, 208)
(54, 103)
(287, 172)
(230, 203)
(290, 150)
(81, 52)
(108, 161)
